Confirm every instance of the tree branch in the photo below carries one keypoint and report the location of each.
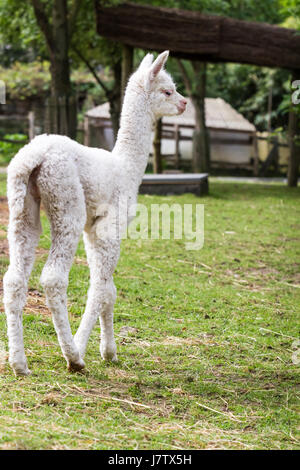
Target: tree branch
(92, 70)
(73, 16)
(43, 23)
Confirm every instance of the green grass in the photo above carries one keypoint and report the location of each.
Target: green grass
(208, 359)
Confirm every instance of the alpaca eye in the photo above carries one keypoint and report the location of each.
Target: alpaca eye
(168, 93)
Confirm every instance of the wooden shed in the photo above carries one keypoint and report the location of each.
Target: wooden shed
(232, 137)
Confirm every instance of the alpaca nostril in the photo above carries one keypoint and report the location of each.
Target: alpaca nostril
(183, 102)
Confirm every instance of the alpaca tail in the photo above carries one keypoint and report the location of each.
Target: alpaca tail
(19, 170)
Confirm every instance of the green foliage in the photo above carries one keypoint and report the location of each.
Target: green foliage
(32, 80)
(251, 10)
(291, 9)
(98, 51)
(20, 37)
(26, 80)
(8, 149)
(247, 89)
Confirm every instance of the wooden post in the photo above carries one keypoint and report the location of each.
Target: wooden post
(270, 101)
(276, 155)
(31, 130)
(201, 143)
(127, 67)
(86, 129)
(255, 154)
(177, 152)
(294, 144)
(157, 157)
(62, 115)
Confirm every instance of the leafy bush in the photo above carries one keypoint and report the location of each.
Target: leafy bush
(26, 80)
(31, 80)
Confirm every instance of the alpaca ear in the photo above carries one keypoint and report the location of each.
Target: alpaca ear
(146, 62)
(158, 64)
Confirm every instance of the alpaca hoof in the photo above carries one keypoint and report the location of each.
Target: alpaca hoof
(76, 366)
(108, 358)
(21, 371)
(19, 366)
(109, 353)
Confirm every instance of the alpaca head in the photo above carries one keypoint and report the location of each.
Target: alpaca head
(159, 87)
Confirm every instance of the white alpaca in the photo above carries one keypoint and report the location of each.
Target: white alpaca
(73, 182)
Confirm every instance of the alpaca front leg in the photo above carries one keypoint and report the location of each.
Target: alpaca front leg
(108, 347)
(90, 317)
(102, 256)
(101, 299)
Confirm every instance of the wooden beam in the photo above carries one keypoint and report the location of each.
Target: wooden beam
(192, 35)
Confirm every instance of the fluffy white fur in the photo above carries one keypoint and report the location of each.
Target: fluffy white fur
(73, 181)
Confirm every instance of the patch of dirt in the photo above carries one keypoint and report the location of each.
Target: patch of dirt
(4, 247)
(255, 279)
(82, 261)
(51, 399)
(3, 358)
(295, 278)
(35, 302)
(125, 330)
(121, 374)
(262, 271)
(3, 211)
(205, 339)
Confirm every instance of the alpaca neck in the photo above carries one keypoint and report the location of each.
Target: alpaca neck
(134, 136)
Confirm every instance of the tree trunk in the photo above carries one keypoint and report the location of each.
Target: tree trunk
(113, 95)
(201, 146)
(157, 157)
(294, 145)
(63, 103)
(115, 99)
(127, 66)
(61, 116)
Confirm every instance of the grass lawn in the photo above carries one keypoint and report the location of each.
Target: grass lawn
(207, 362)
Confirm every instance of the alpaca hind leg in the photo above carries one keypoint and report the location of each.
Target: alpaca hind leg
(23, 235)
(63, 198)
(102, 258)
(65, 237)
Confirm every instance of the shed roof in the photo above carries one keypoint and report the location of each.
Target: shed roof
(219, 115)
